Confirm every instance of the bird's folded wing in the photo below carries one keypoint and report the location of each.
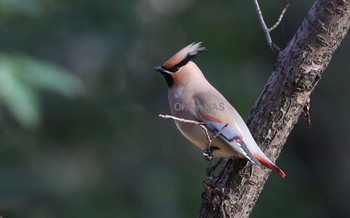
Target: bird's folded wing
(233, 140)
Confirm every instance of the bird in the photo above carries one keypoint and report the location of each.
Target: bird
(192, 97)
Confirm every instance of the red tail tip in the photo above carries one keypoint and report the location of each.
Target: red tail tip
(282, 174)
(270, 165)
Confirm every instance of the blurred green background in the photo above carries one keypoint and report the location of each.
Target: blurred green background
(79, 102)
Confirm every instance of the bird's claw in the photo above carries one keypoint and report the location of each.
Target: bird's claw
(208, 154)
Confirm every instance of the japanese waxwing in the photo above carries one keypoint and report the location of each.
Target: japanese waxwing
(192, 97)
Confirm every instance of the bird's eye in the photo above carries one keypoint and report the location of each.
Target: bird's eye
(175, 69)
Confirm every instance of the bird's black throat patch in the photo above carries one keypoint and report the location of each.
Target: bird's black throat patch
(168, 78)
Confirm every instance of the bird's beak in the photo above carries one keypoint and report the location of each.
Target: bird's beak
(161, 69)
(158, 68)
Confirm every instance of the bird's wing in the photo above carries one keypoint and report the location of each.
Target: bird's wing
(215, 112)
(227, 134)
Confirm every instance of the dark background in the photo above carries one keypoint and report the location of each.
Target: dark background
(79, 129)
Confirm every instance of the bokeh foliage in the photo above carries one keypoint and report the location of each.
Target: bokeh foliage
(79, 132)
(21, 80)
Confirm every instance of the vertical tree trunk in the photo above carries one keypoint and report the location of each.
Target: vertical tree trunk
(297, 71)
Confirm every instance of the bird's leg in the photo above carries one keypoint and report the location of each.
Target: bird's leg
(217, 164)
(208, 153)
(211, 170)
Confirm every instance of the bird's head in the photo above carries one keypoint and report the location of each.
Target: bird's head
(178, 63)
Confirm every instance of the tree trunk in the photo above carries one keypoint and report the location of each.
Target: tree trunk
(298, 69)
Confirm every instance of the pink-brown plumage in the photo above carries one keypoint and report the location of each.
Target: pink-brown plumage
(192, 97)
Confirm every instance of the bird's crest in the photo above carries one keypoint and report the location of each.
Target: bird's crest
(183, 56)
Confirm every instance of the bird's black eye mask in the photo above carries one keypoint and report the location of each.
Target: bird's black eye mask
(178, 66)
(163, 69)
(174, 69)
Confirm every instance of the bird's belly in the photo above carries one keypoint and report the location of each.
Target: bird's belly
(193, 133)
(198, 137)
(224, 151)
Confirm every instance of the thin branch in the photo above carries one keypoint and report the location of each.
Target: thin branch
(262, 22)
(280, 18)
(267, 30)
(200, 124)
(180, 119)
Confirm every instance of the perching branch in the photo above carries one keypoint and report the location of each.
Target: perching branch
(296, 73)
(201, 125)
(275, 49)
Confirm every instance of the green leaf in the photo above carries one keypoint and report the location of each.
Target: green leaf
(21, 101)
(21, 80)
(46, 76)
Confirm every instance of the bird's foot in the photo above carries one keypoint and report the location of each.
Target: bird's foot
(208, 154)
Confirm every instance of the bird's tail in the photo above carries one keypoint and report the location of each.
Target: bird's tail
(269, 164)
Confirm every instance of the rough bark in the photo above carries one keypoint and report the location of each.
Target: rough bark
(298, 69)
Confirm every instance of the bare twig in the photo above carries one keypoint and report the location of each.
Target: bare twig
(202, 125)
(208, 153)
(180, 119)
(280, 18)
(216, 134)
(210, 137)
(262, 22)
(267, 30)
